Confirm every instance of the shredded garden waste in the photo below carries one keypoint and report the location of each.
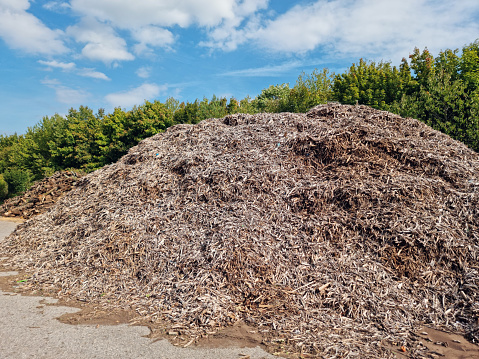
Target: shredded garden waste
(41, 196)
(332, 232)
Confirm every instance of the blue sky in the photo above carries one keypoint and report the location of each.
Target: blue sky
(55, 55)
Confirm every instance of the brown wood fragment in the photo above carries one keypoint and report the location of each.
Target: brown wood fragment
(350, 231)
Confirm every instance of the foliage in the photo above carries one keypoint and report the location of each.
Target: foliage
(246, 106)
(309, 91)
(112, 141)
(469, 66)
(187, 113)
(145, 121)
(18, 180)
(270, 99)
(377, 85)
(217, 107)
(3, 188)
(7, 144)
(172, 104)
(214, 108)
(76, 145)
(445, 94)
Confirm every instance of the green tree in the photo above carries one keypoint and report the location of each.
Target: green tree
(172, 104)
(188, 113)
(376, 85)
(443, 96)
(233, 106)
(76, 143)
(18, 180)
(36, 153)
(246, 106)
(310, 90)
(7, 144)
(422, 63)
(145, 121)
(112, 143)
(469, 66)
(270, 98)
(448, 62)
(3, 188)
(214, 108)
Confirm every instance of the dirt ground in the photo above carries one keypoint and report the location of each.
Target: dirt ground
(35, 325)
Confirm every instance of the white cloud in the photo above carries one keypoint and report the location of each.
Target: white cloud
(230, 35)
(133, 14)
(151, 36)
(16, 5)
(239, 29)
(370, 27)
(93, 74)
(65, 94)
(23, 31)
(265, 71)
(102, 43)
(59, 6)
(50, 82)
(85, 72)
(144, 72)
(148, 20)
(247, 7)
(60, 65)
(71, 96)
(135, 96)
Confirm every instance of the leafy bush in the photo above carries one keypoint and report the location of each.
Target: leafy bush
(3, 188)
(18, 180)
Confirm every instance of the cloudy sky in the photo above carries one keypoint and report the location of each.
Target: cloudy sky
(55, 55)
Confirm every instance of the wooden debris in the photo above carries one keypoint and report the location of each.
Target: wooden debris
(335, 230)
(41, 196)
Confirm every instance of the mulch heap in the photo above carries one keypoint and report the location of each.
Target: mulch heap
(41, 196)
(332, 232)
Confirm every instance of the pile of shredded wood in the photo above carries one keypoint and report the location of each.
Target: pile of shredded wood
(332, 232)
(41, 196)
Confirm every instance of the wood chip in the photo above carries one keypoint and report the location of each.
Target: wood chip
(354, 229)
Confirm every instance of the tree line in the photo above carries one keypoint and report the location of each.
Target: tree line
(442, 91)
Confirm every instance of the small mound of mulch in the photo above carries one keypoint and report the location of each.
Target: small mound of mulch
(331, 232)
(41, 196)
